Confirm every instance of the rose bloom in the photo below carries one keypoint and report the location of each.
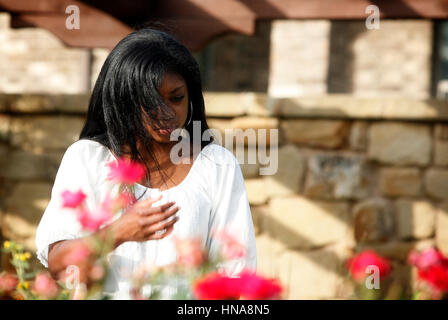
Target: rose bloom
(436, 276)
(45, 286)
(216, 286)
(189, 252)
(358, 264)
(432, 268)
(248, 285)
(8, 282)
(72, 199)
(427, 258)
(125, 171)
(255, 287)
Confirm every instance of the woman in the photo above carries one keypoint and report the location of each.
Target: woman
(148, 86)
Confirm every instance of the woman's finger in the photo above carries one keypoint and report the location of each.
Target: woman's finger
(159, 226)
(158, 236)
(155, 218)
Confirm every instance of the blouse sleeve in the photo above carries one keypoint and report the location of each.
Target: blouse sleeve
(58, 223)
(231, 213)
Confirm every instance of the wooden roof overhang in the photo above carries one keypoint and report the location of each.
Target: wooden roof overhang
(196, 22)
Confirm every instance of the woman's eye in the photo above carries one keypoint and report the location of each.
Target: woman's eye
(177, 99)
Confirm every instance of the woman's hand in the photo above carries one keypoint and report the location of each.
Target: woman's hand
(142, 221)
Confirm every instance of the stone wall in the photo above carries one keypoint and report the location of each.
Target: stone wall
(364, 168)
(343, 182)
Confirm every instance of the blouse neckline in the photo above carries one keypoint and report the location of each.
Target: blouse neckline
(190, 172)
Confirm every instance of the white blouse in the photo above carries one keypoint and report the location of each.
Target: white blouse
(211, 197)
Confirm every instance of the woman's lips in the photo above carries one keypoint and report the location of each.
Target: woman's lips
(166, 131)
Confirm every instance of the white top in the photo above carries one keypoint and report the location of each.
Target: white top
(211, 197)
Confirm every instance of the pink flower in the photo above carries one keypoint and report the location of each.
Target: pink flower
(248, 285)
(231, 248)
(92, 220)
(8, 283)
(77, 255)
(72, 199)
(358, 264)
(432, 268)
(189, 252)
(427, 258)
(125, 171)
(45, 286)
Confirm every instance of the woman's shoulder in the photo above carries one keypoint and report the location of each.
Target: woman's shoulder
(86, 152)
(86, 148)
(218, 155)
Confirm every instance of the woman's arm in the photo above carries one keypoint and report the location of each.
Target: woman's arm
(140, 223)
(231, 214)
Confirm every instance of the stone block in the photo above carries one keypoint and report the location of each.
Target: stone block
(400, 143)
(256, 191)
(23, 165)
(336, 176)
(259, 214)
(441, 153)
(373, 220)
(415, 219)
(436, 183)
(311, 275)
(225, 104)
(42, 133)
(442, 228)
(298, 222)
(5, 123)
(290, 170)
(400, 182)
(441, 145)
(24, 209)
(358, 136)
(316, 133)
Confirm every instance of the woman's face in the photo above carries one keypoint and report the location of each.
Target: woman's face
(174, 92)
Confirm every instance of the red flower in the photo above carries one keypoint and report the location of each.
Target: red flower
(257, 288)
(216, 286)
(248, 285)
(125, 171)
(436, 276)
(72, 199)
(8, 283)
(432, 268)
(358, 264)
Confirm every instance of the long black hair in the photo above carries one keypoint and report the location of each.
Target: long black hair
(128, 84)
